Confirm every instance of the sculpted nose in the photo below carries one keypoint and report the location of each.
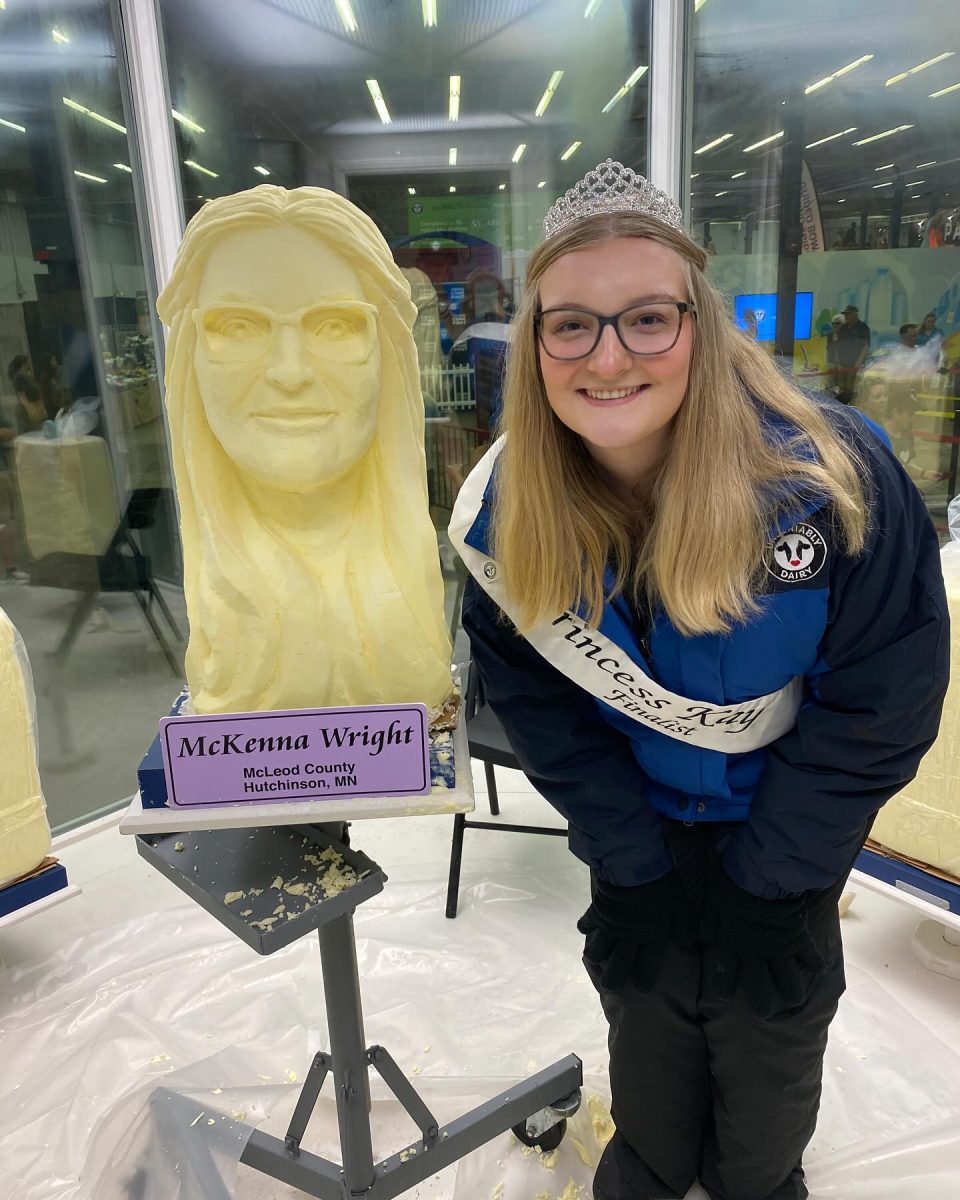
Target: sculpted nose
(289, 368)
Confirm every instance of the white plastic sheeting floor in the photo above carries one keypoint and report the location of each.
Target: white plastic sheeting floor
(129, 989)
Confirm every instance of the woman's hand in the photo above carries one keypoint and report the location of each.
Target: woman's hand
(765, 946)
(628, 929)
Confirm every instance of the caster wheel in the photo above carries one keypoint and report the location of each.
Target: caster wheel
(549, 1140)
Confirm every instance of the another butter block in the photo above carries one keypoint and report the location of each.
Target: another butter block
(923, 821)
(24, 831)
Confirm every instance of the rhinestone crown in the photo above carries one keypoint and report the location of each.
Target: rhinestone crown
(611, 187)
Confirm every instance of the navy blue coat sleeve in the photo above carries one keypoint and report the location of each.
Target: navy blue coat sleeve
(575, 760)
(872, 706)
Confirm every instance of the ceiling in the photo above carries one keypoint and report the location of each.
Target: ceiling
(282, 83)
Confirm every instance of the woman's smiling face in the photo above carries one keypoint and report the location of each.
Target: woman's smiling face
(621, 404)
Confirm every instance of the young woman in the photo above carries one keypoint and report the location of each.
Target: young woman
(709, 612)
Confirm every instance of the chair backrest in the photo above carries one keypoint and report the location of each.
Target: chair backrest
(67, 495)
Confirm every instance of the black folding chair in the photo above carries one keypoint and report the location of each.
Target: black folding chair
(488, 742)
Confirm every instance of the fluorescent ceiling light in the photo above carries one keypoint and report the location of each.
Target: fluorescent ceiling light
(453, 187)
(719, 193)
(92, 178)
(885, 167)
(59, 37)
(345, 9)
(931, 163)
(591, 8)
(615, 99)
(378, 102)
(843, 201)
(889, 183)
(716, 142)
(429, 13)
(204, 170)
(822, 141)
(548, 93)
(698, 4)
(454, 97)
(916, 70)
(94, 116)
(836, 74)
(763, 142)
(178, 116)
(13, 125)
(123, 167)
(886, 133)
(261, 170)
(570, 151)
(542, 183)
(916, 183)
(411, 191)
(502, 187)
(943, 91)
(695, 175)
(518, 153)
(738, 175)
(452, 156)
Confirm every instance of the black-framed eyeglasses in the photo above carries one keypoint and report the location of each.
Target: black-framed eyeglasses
(570, 333)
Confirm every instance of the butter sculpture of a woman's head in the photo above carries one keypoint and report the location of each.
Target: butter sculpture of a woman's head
(311, 570)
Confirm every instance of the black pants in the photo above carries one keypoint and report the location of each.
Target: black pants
(703, 1089)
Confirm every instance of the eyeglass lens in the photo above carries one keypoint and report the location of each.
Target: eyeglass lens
(646, 329)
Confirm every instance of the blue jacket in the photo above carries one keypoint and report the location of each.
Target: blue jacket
(867, 634)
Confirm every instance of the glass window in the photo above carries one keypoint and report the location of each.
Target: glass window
(455, 126)
(825, 185)
(89, 558)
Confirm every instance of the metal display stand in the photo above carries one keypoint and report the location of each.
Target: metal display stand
(244, 867)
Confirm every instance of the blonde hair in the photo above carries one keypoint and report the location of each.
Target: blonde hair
(742, 432)
(249, 648)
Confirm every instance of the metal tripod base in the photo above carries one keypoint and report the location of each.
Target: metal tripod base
(348, 1064)
(212, 866)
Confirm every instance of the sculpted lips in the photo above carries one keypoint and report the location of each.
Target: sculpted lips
(291, 414)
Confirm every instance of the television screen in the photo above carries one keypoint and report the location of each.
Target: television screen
(760, 309)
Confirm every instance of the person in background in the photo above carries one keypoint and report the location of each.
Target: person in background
(30, 411)
(909, 335)
(833, 355)
(873, 400)
(668, 538)
(854, 347)
(49, 379)
(928, 329)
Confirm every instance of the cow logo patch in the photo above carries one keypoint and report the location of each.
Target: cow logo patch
(797, 555)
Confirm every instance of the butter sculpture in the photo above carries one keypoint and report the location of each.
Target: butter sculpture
(923, 821)
(24, 832)
(311, 570)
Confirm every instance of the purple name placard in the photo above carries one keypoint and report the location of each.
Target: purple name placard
(299, 754)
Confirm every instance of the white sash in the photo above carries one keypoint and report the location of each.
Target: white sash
(606, 671)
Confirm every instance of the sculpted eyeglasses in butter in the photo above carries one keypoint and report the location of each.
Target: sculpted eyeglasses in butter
(340, 331)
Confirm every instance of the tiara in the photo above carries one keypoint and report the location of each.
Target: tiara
(611, 187)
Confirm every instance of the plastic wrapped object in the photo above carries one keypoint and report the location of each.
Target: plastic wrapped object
(24, 831)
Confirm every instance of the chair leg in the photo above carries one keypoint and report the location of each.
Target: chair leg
(78, 619)
(164, 608)
(456, 856)
(156, 631)
(492, 789)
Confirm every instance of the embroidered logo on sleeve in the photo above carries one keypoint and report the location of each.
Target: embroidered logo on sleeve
(797, 555)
